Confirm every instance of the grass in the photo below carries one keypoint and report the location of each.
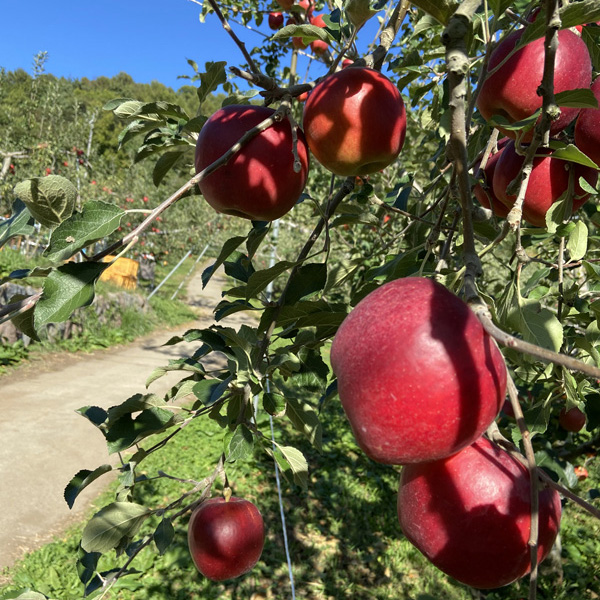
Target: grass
(344, 537)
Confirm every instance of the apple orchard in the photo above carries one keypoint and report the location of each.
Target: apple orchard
(416, 185)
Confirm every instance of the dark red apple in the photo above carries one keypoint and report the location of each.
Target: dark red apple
(355, 122)
(275, 20)
(259, 182)
(511, 91)
(469, 514)
(225, 538)
(483, 191)
(548, 181)
(418, 377)
(572, 420)
(587, 128)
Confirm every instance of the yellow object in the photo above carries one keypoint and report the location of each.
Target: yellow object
(123, 272)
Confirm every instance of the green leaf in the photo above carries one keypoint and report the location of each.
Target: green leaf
(558, 213)
(308, 33)
(571, 153)
(109, 526)
(96, 221)
(590, 36)
(227, 249)
(24, 321)
(20, 595)
(259, 280)
(306, 281)
(164, 535)
(297, 463)
(241, 444)
(578, 98)
(305, 419)
(164, 164)
(540, 326)
(20, 223)
(499, 6)
(441, 10)
(211, 79)
(50, 199)
(66, 289)
(209, 391)
(578, 241)
(81, 480)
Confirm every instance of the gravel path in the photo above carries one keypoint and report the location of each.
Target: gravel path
(44, 442)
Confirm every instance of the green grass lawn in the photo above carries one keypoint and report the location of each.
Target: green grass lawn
(344, 537)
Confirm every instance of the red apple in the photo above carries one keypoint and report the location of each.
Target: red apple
(275, 20)
(587, 128)
(308, 6)
(355, 122)
(259, 182)
(347, 62)
(469, 514)
(512, 90)
(483, 191)
(318, 47)
(298, 43)
(548, 181)
(418, 377)
(572, 420)
(225, 538)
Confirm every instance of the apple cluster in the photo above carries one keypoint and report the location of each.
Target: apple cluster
(354, 124)
(420, 381)
(510, 95)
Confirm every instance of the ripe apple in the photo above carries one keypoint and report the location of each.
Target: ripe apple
(259, 182)
(572, 420)
(418, 377)
(308, 6)
(511, 91)
(483, 191)
(587, 128)
(298, 43)
(347, 62)
(318, 47)
(225, 538)
(469, 514)
(548, 181)
(275, 20)
(355, 122)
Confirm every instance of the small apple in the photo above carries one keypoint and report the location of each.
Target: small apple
(572, 420)
(512, 90)
(347, 62)
(587, 128)
(355, 122)
(469, 514)
(275, 20)
(418, 377)
(548, 181)
(298, 43)
(225, 538)
(483, 191)
(259, 182)
(308, 6)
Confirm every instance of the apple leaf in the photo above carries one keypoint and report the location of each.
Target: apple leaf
(226, 250)
(306, 281)
(50, 199)
(441, 10)
(579, 98)
(240, 445)
(24, 320)
(308, 33)
(294, 459)
(305, 419)
(499, 6)
(570, 153)
(94, 222)
(164, 164)
(19, 595)
(109, 526)
(81, 480)
(578, 241)
(164, 535)
(211, 79)
(590, 35)
(20, 223)
(65, 289)
(259, 280)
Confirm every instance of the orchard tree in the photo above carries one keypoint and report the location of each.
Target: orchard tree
(417, 183)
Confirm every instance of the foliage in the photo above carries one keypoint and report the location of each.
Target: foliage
(534, 289)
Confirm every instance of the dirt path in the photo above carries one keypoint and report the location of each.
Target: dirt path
(43, 442)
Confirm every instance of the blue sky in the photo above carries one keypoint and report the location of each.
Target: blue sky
(148, 39)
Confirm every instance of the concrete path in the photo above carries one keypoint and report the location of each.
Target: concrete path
(43, 442)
